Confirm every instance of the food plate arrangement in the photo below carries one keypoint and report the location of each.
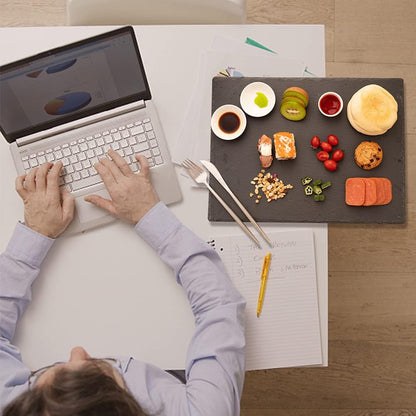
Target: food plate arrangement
(297, 165)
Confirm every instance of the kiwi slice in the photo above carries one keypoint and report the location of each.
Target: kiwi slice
(297, 94)
(293, 111)
(295, 99)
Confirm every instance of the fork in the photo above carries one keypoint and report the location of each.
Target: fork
(200, 176)
(217, 175)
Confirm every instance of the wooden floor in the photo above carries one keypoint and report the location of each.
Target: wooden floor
(372, 269)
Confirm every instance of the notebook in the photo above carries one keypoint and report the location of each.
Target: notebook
(287, 332)
(73, 104)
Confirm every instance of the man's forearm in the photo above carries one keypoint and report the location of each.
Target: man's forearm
(19, 266)
(196, 265)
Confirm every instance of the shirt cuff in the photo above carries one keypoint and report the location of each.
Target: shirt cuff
(157, 225)
(28, 245)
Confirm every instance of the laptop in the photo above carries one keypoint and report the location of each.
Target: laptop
(75, 102)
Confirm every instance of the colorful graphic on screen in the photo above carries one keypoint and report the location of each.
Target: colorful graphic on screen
(67, 103)
(60, 67)
(34, 74)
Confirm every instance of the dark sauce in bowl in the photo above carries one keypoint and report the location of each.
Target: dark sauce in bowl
(229, 122)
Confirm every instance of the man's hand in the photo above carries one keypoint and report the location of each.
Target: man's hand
(47, 210)
(132, 195)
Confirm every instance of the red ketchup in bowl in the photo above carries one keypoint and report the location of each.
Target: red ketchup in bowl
(330, 104)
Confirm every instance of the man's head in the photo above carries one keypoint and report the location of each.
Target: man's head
(80, 387)
(78, 358)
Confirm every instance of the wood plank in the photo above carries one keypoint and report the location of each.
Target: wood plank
(375, 31)
(372, 412)
(361, 375)
(284, 412)
(328, 412)
(369, 306)
(374, 248)
(32, 13)
(299, 12)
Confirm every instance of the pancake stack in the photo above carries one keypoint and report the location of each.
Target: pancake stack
(372, 110)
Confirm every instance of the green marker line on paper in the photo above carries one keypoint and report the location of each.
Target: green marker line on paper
(252, 42)
(309, 72)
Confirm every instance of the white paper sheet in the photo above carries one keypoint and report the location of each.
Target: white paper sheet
(287, 333)
(194, 138)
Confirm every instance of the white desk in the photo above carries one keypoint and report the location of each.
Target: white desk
(106, 290)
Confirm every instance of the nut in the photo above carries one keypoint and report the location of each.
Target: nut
(272, 187)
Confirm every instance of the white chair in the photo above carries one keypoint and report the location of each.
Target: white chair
(153, 12)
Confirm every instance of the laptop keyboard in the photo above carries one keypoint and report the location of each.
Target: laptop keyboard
(79, 156)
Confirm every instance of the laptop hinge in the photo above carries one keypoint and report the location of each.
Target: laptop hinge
(73, 125)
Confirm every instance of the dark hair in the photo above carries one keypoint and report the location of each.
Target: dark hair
(87, 391)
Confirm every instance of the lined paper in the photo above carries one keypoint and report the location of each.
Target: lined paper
(287, 333)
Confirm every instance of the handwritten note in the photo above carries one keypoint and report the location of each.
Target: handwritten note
(287, 333)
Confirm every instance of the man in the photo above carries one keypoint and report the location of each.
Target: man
(85, 386)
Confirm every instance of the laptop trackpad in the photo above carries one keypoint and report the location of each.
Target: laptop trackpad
(89, 212)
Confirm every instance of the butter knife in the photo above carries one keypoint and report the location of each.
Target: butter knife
(211, 168)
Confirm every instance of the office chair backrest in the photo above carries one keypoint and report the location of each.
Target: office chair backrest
(153, 12)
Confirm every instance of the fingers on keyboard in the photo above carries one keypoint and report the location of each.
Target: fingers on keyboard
(79, 156)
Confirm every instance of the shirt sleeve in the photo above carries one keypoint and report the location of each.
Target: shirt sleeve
(216, 355)
(19, 266)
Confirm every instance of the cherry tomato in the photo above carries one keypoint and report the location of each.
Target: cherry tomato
(326, 146)
(332, 140)
(315, 142)
(322, 156)
(330, 165)
(338, 155)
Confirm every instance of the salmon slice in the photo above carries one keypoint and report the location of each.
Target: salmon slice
(264, 147)
(354, 191)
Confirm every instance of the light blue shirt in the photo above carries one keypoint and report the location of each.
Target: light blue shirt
(215, 362)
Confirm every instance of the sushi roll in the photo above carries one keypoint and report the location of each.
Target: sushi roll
(284, 143)
(264, 147)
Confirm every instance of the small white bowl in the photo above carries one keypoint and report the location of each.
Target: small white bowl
(331, 96)
(249, 94)
(215, 122)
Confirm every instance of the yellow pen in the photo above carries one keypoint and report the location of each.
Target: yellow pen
(264, 274)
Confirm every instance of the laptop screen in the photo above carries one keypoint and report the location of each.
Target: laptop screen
(71, 82)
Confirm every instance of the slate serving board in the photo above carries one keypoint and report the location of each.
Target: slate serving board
(238, 160)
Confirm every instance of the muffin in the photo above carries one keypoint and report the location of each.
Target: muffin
(368, 155)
